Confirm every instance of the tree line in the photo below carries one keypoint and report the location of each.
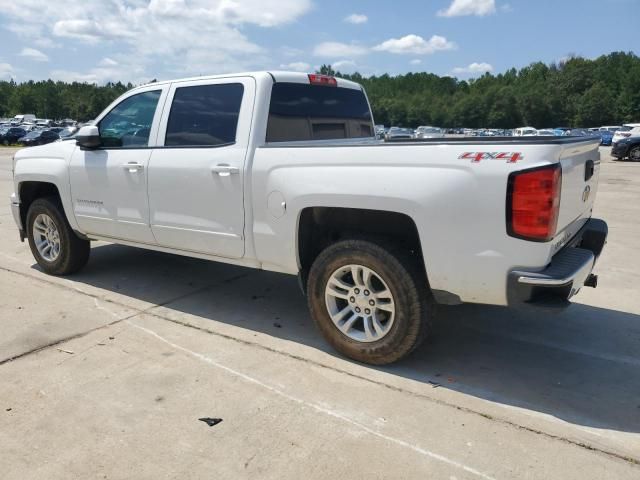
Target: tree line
(576, 92)
(58, 100)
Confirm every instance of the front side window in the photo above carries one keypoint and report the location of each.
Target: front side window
(301, 111)
(129, 123)
(204, 115)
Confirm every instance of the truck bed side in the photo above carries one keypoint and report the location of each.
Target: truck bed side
(454, 191)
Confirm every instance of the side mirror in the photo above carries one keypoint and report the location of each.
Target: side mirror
(88, 137)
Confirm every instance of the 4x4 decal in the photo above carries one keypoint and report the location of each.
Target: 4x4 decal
(475, 157)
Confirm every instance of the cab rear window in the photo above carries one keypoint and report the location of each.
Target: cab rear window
(311, 112)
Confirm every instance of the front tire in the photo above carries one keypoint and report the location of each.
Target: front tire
(634, 154)
(54, 245)
(370, 301)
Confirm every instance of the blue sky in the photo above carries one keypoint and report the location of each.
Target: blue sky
(137, 40)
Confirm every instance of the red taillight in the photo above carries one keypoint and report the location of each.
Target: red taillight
(533, 202)
(326, 80)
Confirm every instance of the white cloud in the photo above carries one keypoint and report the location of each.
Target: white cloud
(415, 61)
(291, 51)
(33, 54)
(474, 68)
(344, 66)
(180, 36)
(297, 66)
(108, 62)
(337, 49)
(459, 8)
(107, 70)
(356, 18)
(6, 71)
(415, 45)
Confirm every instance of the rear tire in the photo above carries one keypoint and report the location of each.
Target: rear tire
(54, 245)
(389, 276)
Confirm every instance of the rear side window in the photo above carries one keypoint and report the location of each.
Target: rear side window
(311, 112)
(204, 115)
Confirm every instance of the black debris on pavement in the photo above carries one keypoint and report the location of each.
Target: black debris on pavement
(210, 421)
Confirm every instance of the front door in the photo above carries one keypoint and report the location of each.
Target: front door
(109, 184)
(196, 174)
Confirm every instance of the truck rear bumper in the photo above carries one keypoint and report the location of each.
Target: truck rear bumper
(569, 270)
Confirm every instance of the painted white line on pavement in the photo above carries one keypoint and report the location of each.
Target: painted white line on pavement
(397, 441)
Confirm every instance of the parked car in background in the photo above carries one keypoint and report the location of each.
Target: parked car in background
(545, 132)
(611, 128)
(380, 129)
(561, 131)
(626, 131)
(22, 118)
(579, 132)
(38, 137)
(67, 132)
(429, 132)
(11, 135)
(627, 147)
(525, 132)
(396, 133)
(606, 137)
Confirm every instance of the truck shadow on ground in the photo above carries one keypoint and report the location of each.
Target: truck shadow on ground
(581, 365)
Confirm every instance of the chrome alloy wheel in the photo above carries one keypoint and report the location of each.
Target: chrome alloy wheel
(634, 154)
(360, 303)
(46, 237)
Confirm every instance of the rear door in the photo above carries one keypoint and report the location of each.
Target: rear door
(196, 175)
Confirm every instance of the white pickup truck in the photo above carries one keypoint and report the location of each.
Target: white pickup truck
(282, 171)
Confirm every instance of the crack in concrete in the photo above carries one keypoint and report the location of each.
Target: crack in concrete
(149, 311)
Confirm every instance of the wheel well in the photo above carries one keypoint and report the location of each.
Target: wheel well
(30, 191)
(319, 227)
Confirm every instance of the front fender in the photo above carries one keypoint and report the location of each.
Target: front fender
(48, 164)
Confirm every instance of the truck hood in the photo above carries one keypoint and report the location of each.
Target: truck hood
(58, 149)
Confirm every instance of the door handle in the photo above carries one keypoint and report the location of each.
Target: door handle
(224, 170)
(133, 167)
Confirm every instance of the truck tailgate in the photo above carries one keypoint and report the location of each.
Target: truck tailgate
(580, 171)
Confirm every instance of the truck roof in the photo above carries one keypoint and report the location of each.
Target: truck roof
(274, 75)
